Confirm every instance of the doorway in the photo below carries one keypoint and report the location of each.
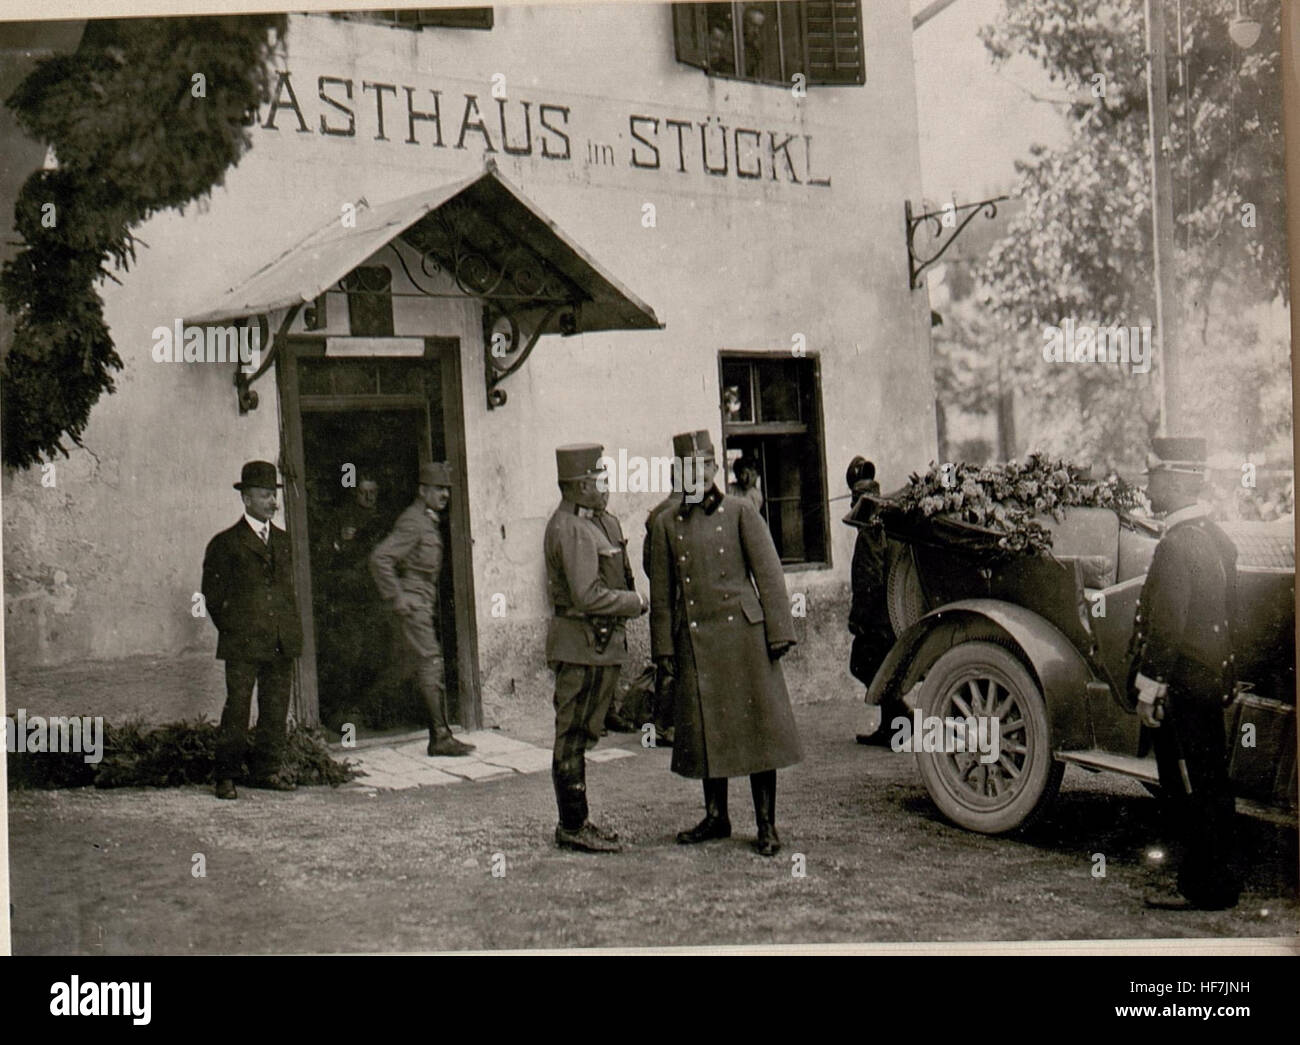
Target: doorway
(357, 430)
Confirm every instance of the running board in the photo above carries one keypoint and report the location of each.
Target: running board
(1143, 769)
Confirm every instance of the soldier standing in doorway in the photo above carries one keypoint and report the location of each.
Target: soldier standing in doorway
(1185, 674)
(591, 591)
(406, 566)
(720, 621)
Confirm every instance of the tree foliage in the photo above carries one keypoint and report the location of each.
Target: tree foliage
(147, 114)
(1082, 246)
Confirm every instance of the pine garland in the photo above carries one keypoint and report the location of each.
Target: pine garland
(134, 133)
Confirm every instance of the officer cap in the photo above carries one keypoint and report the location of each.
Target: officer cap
(1184, 454)
(692, 444)
(578, 461)
(436, 474)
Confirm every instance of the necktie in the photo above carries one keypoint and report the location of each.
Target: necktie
(265, 533)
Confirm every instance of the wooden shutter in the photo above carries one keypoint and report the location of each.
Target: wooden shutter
(455, 17)
(689, 34)
(833, 46)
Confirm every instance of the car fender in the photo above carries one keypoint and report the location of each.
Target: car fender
(1060, 670)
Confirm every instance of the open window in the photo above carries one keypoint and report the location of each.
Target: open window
(772, 42)
(771, 413)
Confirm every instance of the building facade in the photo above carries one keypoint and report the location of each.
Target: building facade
(473, 243)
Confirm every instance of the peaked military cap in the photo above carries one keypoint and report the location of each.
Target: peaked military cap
(692, 444)
(578, 461)
(1185, 454)
(436, 474)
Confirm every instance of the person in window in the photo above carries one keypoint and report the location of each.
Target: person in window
(746, 484)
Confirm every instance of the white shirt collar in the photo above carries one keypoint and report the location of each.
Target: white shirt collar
(257, 526)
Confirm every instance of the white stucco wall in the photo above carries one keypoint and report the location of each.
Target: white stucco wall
(103, 565)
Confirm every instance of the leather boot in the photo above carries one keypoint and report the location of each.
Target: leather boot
(575, 831)
(763, 787)
(715, 823)
(441, 742)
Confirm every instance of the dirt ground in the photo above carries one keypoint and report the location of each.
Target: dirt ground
(110, 872)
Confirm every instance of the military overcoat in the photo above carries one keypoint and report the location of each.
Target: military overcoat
(717, 600)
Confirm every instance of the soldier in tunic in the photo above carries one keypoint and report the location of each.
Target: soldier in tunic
(590, 588)
(1185, 674)
(406, 566)
(720, 622)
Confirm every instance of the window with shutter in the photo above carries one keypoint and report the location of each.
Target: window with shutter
(768, 42)
(833, 41)
(688, 34)
(421, 17)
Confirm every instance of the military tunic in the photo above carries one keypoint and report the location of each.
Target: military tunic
(409, 561)
(1183, 638)
(718, 600)
(590, 586)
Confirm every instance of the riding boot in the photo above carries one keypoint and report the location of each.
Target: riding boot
(763, 787)
(575, 831)
(715, 823)
(441, 742)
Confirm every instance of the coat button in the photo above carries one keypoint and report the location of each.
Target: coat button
(688, 580)
(730, 617)
(690, 602)
(693, 624)
(682, 558)
(720, 550)
(1216, 628)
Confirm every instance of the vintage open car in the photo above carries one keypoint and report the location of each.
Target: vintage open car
(1042, 643)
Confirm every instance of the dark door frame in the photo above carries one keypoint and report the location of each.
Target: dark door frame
(443, 352)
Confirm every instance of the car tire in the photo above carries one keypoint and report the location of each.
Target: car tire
(904, 597)
(983, 679)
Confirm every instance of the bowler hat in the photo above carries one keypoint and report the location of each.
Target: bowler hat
(578, 461)
(1185, 454)
(692, 444)
(436, 474)
(260, 474)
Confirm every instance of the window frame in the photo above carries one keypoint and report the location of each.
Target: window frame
(811, 427)
(387, 16)
(696, 12)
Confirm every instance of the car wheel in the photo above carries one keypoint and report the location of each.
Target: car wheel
(904, 597)
(985, 680)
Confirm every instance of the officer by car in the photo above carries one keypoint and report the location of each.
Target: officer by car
(1184, 674)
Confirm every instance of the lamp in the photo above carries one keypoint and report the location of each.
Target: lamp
(1243, 29)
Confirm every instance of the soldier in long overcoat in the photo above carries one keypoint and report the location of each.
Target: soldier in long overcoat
(720, 622)
(1185, 674)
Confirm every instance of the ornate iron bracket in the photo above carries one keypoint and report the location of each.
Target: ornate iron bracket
(501, 359)
(243, 391)
(915, 263)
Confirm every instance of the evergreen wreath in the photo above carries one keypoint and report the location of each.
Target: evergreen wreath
(135, 131)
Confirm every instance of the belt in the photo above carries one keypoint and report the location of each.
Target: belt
(423, 573)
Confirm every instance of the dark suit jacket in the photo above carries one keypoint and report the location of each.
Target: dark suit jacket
(248, 589)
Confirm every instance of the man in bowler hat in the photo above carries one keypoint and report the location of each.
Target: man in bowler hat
(590, 588)
(248, 590)
(1185, 674)
(720, 622)
(406, 567)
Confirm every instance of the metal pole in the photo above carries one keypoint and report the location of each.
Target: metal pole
(1162, 222)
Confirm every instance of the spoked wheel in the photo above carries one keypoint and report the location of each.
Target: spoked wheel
(981, 680)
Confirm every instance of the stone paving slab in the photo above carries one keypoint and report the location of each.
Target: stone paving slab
(387, 781)
(529, 760)
(490, 742)
(469, 768)
(609, 754)
(386, 760)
